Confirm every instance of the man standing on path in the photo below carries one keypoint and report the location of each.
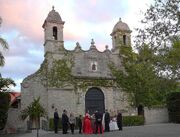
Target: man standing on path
(65, 122)
(119, 120)
(98, 117)
(107, 120)
(56, 121)
(80, 123)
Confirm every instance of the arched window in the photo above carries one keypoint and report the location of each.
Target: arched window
(124, 39)
(94, 67)
(55, 33)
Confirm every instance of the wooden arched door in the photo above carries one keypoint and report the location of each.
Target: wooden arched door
(94, 100)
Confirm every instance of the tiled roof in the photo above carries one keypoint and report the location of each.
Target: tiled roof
(14, 96)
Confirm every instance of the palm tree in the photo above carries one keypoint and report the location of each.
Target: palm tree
(34, 111)
(4, 82)
(4, 45)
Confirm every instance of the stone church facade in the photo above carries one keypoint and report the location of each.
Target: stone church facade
(76, 80)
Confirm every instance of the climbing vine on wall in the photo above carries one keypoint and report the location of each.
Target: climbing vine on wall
(59, 75)
(84, 83)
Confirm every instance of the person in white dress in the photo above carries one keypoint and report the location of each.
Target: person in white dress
(113, 124)
(103, 123)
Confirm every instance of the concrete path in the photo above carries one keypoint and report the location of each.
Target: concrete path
(156, 130)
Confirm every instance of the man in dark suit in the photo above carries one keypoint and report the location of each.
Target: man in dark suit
(65, 121)
(98, 117)
(107, 120)
(119, 120)
(56, 121)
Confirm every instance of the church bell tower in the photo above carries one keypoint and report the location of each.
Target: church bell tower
(53, 32)
(121, 35)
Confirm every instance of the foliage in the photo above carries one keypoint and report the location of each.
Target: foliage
(4, 106)
(4, 45)
(141, 78)
(133, 120)
(34, 110)
(161, 32)
(151, 73)
(161, 23)
(173, 101)
(84, 83)
(5, 83)
(51, 123)
(127, 121)
(59, 74)
(169, 61)
(4, 86)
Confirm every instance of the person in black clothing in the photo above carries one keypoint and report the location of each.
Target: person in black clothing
(65, 122)
(107, 121)
(56, 121)
(80, 123)
(119, 120)
(98, 118)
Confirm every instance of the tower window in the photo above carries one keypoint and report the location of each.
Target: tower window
(55, 33)
(124, 39)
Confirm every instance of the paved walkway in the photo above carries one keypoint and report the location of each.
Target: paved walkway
(156, 130)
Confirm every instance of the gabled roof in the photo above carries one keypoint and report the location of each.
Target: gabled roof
(14, 96)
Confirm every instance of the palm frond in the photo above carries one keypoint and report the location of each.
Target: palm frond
(34, 110)
(4, 44)
(2, 60)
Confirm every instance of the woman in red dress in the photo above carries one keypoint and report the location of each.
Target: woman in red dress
(87, 129)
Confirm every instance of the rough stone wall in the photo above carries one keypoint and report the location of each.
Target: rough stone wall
(49, 31)
(64, 98)
(14, 123)
(75, 101)
(83, 61)
(61, 99)
(31, 88)
(156, 115)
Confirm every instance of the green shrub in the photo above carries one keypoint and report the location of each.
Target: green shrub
(133, 120)
(4, 106)
(173, 104)
(127, 121)
(51, 124)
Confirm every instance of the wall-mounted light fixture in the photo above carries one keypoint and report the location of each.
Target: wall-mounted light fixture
(52, 106)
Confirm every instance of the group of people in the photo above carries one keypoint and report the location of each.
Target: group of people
(96, 123)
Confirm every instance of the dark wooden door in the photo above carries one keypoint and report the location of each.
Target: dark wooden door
(94, 100)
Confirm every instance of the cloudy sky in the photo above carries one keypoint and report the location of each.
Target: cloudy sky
(84, 20)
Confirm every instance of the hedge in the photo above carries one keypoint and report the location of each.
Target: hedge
(4, 106)
(127, 121)
(173, 104)
(51, 124)
(133, 120)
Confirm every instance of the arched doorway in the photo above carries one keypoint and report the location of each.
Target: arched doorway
(141, 110)
(94, 100)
